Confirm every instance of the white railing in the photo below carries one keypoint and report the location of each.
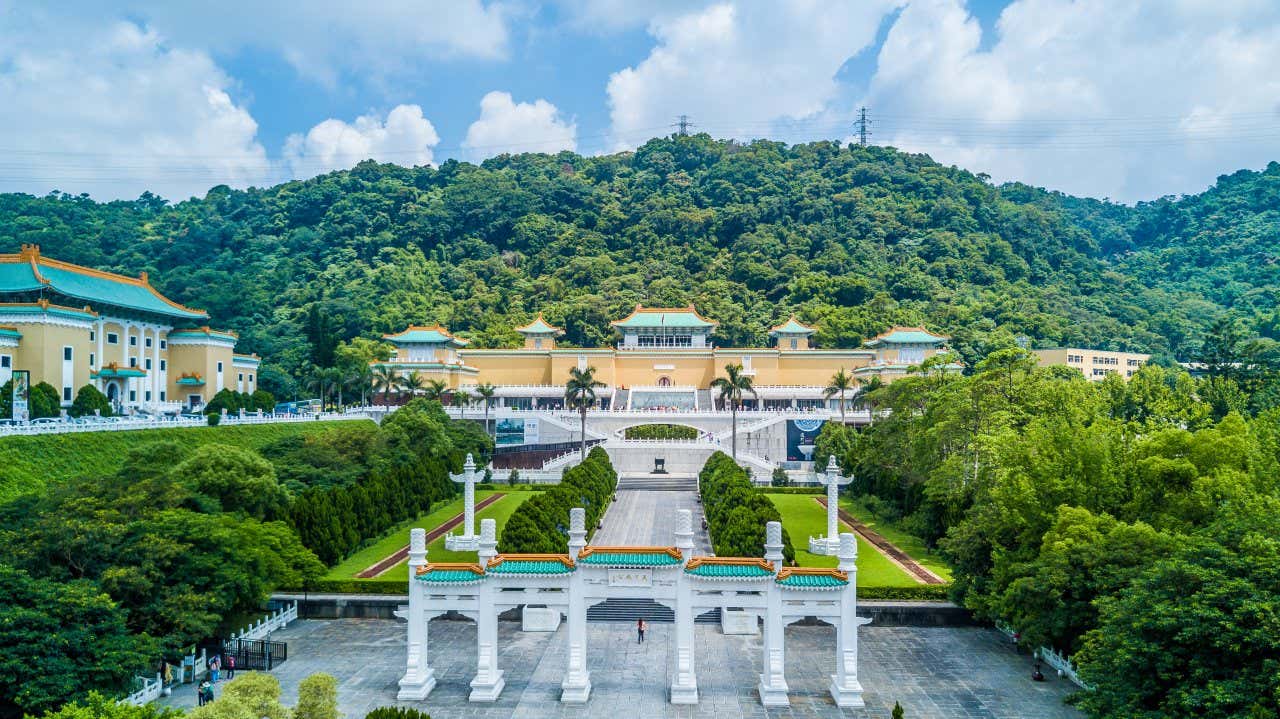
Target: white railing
(527, 476)
(150, 691)
(1063, 666)
(276, 620)
(123, 424)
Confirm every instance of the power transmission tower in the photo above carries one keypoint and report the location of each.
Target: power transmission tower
(682, 125)
(863, 130)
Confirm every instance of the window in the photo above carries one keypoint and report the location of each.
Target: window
(148, 363)
(66, 394)
(133, 395)
(795, 344)
(164, 365)
(133, 361)
(6, 362)
(91, 358)
(147, 342)
(66, 354)
(147, 395)
(240, 377)
(251, 379)
(133, 340)
(219, 366)
(162, 395)
(92, 335)
(537, 343)
(113, 338)
(164, 344)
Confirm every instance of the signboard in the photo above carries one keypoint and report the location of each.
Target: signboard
(510, 431)
(631, 577)
(802, 434)
(22, 395)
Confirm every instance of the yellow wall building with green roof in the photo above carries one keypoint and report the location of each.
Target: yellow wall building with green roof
(70, 326)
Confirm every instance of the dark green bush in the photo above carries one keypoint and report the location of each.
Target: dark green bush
(396, 713)
(541, 524)
(736, 512)
(661, 431)
(88, 399)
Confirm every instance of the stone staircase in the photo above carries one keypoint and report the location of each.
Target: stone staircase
(621, 397)
(632, 610)
(658, 483)
(705, 403)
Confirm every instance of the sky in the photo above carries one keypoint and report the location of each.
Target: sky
(1128, 100)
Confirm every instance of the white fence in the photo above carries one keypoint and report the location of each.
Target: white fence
(150, 691)
(277, 620)
(124, 424)
(1063, 666)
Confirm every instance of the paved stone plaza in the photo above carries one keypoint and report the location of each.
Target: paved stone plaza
(935, 672)
(649, 519)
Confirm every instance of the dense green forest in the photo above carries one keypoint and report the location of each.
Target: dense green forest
(850, 238)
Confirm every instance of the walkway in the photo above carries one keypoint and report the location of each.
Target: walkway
(402, 553)
(887, 548)
(937, 673)
(648, 518)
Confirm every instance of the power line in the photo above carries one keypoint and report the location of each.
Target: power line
(682, 125)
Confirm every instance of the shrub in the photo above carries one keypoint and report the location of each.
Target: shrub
(736, 512)
(396, 713)
(317, 698)
(780, 478)
(213, 418)
(45, 401)
(263, 400)
(89, 399)
(661, 431)
(541, 524)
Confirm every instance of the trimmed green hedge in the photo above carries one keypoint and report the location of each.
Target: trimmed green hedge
(661, 431)
(32, 461)
(922, 593)
(736, 512)
(541, 524)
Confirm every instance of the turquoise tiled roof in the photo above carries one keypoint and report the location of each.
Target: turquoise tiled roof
(791, 327)
(202, 333)
(729, 571)
(424, 335)
(539, 326)
(906, 335)
(449, 576)
(517, 565)
(812, 581)
(17, 274)
(609, 558)
(10, 332)
(683, 318)
(118, 372)
(55, 310)
(191, 381)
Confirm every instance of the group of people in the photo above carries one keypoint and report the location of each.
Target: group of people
(204, 692)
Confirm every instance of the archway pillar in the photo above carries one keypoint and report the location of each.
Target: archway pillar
(773, 682)
(845, 688)
(576, 687)
(684, 685)
(419, 678)
(489, 680)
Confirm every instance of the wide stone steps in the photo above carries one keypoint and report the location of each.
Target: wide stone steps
(657, 483)
(632, 610)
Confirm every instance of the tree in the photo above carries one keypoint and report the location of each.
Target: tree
(434, 388)
(89, 401)
(580, 395)
(841, 382)
(317, 698)
(396, 713)
(731, 389)
(251, 695)
(486, 391)
(897, 711)
(96, 705)
(232, 479)
(385, 380)
(60, 639)
(460, 400)
(45, 401)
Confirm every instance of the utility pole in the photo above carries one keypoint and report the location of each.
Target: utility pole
(682, 125)
(861, 124)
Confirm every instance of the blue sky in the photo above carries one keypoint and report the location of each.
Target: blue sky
(1123, 100)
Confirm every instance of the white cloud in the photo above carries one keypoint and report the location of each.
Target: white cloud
(323, 39)
(405, 138)
(741, 69)
(1127, 100)
(511, 127)
(114, 111)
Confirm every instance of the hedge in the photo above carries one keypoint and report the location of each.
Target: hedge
(737, 513)
(922, 593)
(660, 431)
(541, 524)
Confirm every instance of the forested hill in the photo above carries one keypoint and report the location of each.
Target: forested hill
(852, 239)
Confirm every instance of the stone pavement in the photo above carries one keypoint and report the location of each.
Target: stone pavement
(936, 673)
(648, 518)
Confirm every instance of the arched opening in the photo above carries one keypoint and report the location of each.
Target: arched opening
(664, 381)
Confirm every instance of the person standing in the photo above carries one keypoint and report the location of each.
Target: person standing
(231, 666)
(640, 627)
(214, 666)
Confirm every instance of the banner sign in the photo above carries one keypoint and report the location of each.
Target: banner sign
(802, 434)
(510, 431)
(21, 395)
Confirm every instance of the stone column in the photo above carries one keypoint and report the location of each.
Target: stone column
(576, 687)
(773, 682)
(419, 678)
(489, 679)
(468, 540)
(845, 689)
(684, 685)
(833, 501)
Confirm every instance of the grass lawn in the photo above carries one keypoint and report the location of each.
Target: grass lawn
(436, 552)
(803, 517)
(909, 543)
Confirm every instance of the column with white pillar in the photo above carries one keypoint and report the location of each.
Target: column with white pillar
(576, 687)
(845, 688)
(489, 681)
(684, 685)
(773, 682)
(468, 541)
(419, 678)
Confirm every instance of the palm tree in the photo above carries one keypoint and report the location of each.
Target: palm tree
(435, 389)
(360, 380)
(485, 391)
(841, 382)
(733, 386)
(413, 383)
(385, 380)
(580, 394)
(460, 400)
(866, 391)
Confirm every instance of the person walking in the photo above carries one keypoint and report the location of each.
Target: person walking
(231, 666)
(640, 627)
(214, 666)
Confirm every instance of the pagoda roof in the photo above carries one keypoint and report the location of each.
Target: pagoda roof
(10, 332)
(191, 380)
(530, 564)
(906, 335)
(812, 578)
(29, 271)
(539, 326)
(203, 333)
(114, 370)
(450, 573)
(729, 567)
(682, 317)
(791, 327)
(630, 556)
(415, 334)
(45, 307)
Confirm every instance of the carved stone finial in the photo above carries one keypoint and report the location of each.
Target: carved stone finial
(417, 540)
(684, 522)
(488, 530)
(577, 519)
(773, 533)
(832, 468)
(470, 465)
(848, 546)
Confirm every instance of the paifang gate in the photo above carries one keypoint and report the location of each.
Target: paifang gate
(569, 583)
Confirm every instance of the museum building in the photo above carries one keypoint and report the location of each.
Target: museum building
(665, 358)
(70, 326)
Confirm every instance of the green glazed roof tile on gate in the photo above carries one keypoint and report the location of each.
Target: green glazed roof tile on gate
(630, 556)
(512, 564)
(811, 581)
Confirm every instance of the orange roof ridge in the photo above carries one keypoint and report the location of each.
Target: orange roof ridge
(731, 561)
(564, 559)
(814, 572)
(460, 566)
(593, 549)
(141, 281)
